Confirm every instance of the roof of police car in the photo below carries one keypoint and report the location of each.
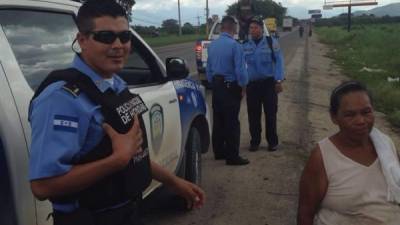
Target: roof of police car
(32, 2)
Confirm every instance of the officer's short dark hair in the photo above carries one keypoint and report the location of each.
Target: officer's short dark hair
(257, 20)
(344, 89)
(92, 9)
(228, 22)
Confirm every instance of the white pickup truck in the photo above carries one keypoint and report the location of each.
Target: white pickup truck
(287, 24)
(35, 38)
(202, 45)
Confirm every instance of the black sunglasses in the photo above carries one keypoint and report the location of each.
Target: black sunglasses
(108, 37)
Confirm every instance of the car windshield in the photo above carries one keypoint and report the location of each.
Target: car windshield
(41, 41)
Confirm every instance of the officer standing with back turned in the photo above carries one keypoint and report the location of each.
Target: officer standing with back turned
(227, 73)
(89, 154)
(265, 68)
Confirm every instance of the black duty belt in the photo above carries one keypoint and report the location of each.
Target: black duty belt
(219, 80)
(262, 80)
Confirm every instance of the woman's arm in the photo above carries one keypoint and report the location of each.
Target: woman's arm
(313, 186)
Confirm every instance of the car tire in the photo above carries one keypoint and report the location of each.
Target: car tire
(190, 169)
(193, 157)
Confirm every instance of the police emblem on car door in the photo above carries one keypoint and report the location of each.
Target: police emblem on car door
(156, 126)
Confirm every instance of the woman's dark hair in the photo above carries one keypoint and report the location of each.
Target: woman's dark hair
(92, 9)
(343, 89)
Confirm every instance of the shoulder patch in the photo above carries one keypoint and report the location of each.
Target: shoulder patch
(73, 89)
(66, 123)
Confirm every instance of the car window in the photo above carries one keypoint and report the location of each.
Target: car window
(7, 213)
(40, 40)
(141, 67)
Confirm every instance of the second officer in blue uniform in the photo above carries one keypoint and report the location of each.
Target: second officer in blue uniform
(265, 68)
(227, 73)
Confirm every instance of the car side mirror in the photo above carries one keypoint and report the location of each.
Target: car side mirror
(176, 68)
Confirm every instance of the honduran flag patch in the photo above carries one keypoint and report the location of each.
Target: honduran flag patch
(65, 123)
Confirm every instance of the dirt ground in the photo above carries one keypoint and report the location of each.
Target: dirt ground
(265, 192)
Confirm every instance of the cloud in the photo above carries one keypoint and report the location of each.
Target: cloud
(155, 6)
(155, 11)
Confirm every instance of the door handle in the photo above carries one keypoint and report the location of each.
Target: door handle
(172, 101)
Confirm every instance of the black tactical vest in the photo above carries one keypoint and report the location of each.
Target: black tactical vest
(118, 111)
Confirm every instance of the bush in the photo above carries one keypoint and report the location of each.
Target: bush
(370, 54)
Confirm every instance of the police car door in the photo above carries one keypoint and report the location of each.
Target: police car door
(35, 38)
(145, 75)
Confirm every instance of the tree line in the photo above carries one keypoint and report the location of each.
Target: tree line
(263, 8)
(170, 27)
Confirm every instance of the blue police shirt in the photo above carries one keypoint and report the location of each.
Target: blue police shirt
(225, 57)
(259, 61)
(65, 127)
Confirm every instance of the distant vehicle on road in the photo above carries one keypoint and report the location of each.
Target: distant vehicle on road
(271, 25)
(287, 24)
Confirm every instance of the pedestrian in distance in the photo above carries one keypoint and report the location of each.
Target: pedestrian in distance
(301, 30)
(227, 73)
(266, 73)
(352, 176)
(87, 156)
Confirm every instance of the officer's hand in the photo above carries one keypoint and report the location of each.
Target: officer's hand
(193, 194)
(278, 88)
(125, 146)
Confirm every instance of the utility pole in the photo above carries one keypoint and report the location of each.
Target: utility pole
(198, 24)
(349, 18)
(179, 16)
(207, 15)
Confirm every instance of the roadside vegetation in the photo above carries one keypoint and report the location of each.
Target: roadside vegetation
(167, 34)
(370, 54)
(171, 39)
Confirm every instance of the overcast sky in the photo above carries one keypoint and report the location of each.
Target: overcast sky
(153, 12)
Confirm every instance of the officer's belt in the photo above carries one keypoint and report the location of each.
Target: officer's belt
(262, 80)
(219, 80)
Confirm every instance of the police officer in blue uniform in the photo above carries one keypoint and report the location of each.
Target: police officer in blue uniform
(227, 73)
(265, 68)
(89, 152)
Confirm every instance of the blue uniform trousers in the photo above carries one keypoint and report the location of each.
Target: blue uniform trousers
(226, 126)
(261, 94)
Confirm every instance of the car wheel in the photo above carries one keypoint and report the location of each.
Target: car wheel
(193, 157)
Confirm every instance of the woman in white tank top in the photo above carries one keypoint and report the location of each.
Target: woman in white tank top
(343, 183)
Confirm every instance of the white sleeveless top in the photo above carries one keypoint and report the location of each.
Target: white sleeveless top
(356, 194)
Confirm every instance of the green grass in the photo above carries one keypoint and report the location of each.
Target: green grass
(375, 47)
(171, 39)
